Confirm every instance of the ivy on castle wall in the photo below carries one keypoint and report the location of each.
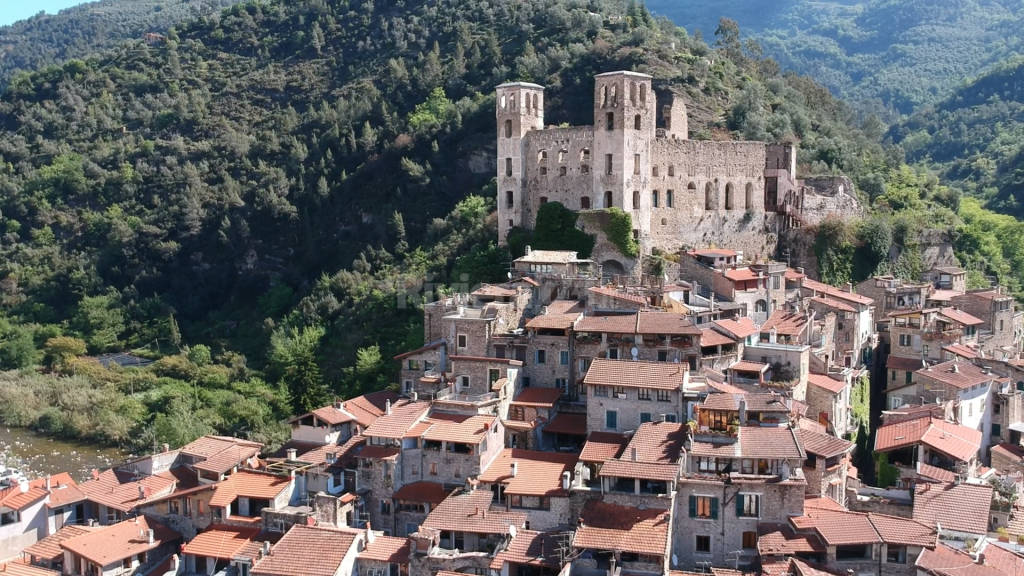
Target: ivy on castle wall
(618, 228)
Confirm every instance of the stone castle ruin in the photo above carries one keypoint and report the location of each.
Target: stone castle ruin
(681, 193)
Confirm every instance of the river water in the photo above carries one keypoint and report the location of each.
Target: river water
(37, 455)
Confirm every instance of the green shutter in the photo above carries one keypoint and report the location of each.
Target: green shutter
(693, 506)
(739, 506)
(714, 508)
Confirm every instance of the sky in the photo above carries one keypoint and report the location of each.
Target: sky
(13, 10)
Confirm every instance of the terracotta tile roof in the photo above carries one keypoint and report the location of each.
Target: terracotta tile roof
(903, 531)
(714, 253)
(612, 324)
(63, 490)
(958, 507)
(740, 274)
(961, 350)
(119, 541)
(430, 492)
(670, 323)
(792, 274)
(826, 382)
(20, 569)
(837, 527)
(834, 292)
(659, 375)
(15, 498)
(1009, 451)
(120, 491)
(754, 442)
(210, 446)
(459, 428)
(530, 548)
(833, 303)
(250, 485)
(538, 397)
(219, 541)
(603, 446)
(306, 551)
(1006, 561)
(802, 568)
(720, 402)
(929, 472)
(606, 526)
(644, 470)
(785, 323)
(537, 473)
(952, 439)
(404, 414)
(49, 548)
(943, 295)
(228, 459)
(368, 407)
(945, 561)
(711, 337)
(553, 321)
(618, 294)
(955, 373)
(568, 424)
(900, 363)
(386, 549)
(960, 316)
(740, 328)
(374, 452)
(429, 346)
(823, 503)
(657, 442)
(317, 453)
(487, 359)
(468, 511)
(824, 445)
(781, 540)
(564, 306)
(748, 366)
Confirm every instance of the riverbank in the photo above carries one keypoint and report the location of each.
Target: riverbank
(37, 455)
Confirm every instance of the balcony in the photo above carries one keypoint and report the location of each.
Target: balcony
(449, 396)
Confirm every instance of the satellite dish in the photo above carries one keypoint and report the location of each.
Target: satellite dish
(509, 274)
(634, 352)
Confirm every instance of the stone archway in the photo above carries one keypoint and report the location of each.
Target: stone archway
(611, 267)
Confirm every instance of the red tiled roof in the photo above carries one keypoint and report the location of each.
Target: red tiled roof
(824, 445)
(958, 507)
(781, 540)
(492, 290)
(958, 374)
(63, 490)
(837, 527)
(714, 253)
(250, 485)
(537, 473)
(306, 551)
(375, 452)
(404, 414)
(943, 295)
(564, 306)
(317, 453)
(553, 321)
(460, 428)
(671, 323)
(120, 491)
(1006, 561)
(368, 407)
(218, 541)
(606, 526)
(935, 473)
(228, 459)
(424, 348)
(960, 316)
(945, 561)
(952, 439)
(568, 424)
(16, 568)
(740, 274)
(899, 363)
(755, 402)
(618, 294)
(802, 568)
(538, 397)
(740, 328)
(119, 541)
(659, 375)
(903, 531)
(833, 303)
(1009, 451)
(792, 274)
(834, 292)
(49, 548)
(612, 324)
(209, 446)
(469, 511)
(711, 337)
(748, 366)
(828, 383)
(657, 442)
(430, 492)
(602, 446)
(961, 350)
(785, 323)
(754, 442)
(386, 549)
(17, 499)
(530, 548)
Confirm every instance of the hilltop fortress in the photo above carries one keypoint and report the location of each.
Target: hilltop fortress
(681, 193)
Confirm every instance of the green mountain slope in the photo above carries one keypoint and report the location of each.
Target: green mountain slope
(76, 32)
(879, 54)
(975, 137)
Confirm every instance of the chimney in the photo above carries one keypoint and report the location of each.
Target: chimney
(47, 483)
(338, 403)
(292, 454)
(387, 407)
(266, 548)
(632, 453)
(166, 447)
(515, 469)
(528, 249)
(142, 492)
(151, 536)
(415, 395)
(848, 287)
(566, 481)
(370, 536)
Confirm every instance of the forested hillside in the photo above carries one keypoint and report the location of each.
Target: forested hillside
(878, 54)
(263, 200)
(47, 39)
(975, 137)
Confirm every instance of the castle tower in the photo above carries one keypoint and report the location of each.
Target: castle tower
(624, 118)
(520, 108)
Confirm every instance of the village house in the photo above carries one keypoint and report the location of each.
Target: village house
(646, 471)
(312, 551)
(958, 510)
(31, 510)
(383, 555)
(242, 498)
(622, 395)
(1000, 332)
(341, 420)
(220, 547)
(533, 553)
(413, 502)
(828, 462)
(536, 484)
(528, 413)
(612, 537)
(133, 546)
(829, 399)
(930, 440)
(861, 327)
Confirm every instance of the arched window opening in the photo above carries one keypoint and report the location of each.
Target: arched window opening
(632, 93)
(604, 96)
(709, 197)
(643, 93)
(508, 128)
(728, 196)
(691, 187)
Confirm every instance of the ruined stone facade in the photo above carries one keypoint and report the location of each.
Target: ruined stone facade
(679, 192)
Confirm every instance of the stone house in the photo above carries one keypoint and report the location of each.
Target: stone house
(891, 294)
(612, 537)
(383, 555)
(413, 502)
(549, 351)
(241, 499)
(827, 464)
(864, 337)
(647, 469)
(133, 546)
(958, 510)
(219, 548)
(558, 263)
(950, 278)
(828, 400)
(535, 484)
(532, 553)
(758, 288)
(1000, 331)
(528, 413)
(312, 550)
(622, 395)
(422, 370)
(599, 448)
(930, 440)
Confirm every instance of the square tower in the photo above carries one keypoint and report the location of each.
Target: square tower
(624, 130)
(519, 109)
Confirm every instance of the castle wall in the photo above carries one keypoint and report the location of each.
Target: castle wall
(558, 162)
